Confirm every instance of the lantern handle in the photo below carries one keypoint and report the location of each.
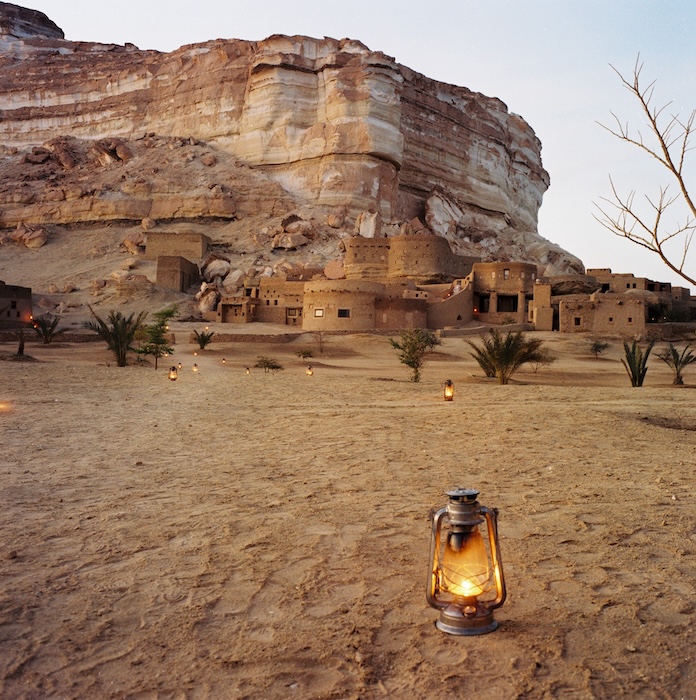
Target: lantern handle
(491, 516)
(435, 552)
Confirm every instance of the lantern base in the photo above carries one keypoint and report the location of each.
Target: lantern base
(453, 620)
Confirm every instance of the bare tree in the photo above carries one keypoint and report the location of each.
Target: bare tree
(653, 221)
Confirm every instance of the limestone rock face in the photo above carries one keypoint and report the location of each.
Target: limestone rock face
(20, 22)
(492, 238)
(110, 132)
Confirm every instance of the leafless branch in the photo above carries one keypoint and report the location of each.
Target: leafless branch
(668, 142)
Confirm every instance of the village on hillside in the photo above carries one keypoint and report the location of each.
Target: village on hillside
(403, 282)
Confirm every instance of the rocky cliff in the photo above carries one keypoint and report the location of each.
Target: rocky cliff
(222, 130)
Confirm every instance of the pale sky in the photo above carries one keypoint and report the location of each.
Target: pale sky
(548, 60)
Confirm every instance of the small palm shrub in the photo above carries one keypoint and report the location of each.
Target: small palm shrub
(118, 331)
(636, 362)
(677, 362)
(46, 328)
(203, 338)
(502, 355)
(268, 364)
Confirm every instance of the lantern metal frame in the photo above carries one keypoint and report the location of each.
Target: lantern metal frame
(465, 615)
(173, 373)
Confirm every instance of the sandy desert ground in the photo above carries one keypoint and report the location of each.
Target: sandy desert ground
(266, 536)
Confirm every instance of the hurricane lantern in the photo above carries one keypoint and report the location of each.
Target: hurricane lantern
(449, 390)
(247, 370)
(180, 366)
(173, 373)
(465, 581)
(195, 367)
(309, 371)
(224, 361)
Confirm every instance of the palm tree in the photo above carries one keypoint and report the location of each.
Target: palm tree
(636, 362)
(676, 362)
(502, 355)
(203, 338)
(45, 327)
(118, 331)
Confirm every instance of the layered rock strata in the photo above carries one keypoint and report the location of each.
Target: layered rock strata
(335, 124)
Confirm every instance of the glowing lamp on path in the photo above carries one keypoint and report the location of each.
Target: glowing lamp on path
(465, 581)
(309, 371)
(247, 370)
(180, 366)
(195, 367)
(173, 373)
(449, 390)
(224, 361)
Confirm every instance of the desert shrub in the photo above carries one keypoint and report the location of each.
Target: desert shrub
(304, 354)
(412, 348)
(597, 347)
(636, 362)
(544, 359)
(502, 355)
(677, 362)
(118, 331)
(268, 364)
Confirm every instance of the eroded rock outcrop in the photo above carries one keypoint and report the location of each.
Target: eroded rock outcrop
(148, 179)
(330, 122)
